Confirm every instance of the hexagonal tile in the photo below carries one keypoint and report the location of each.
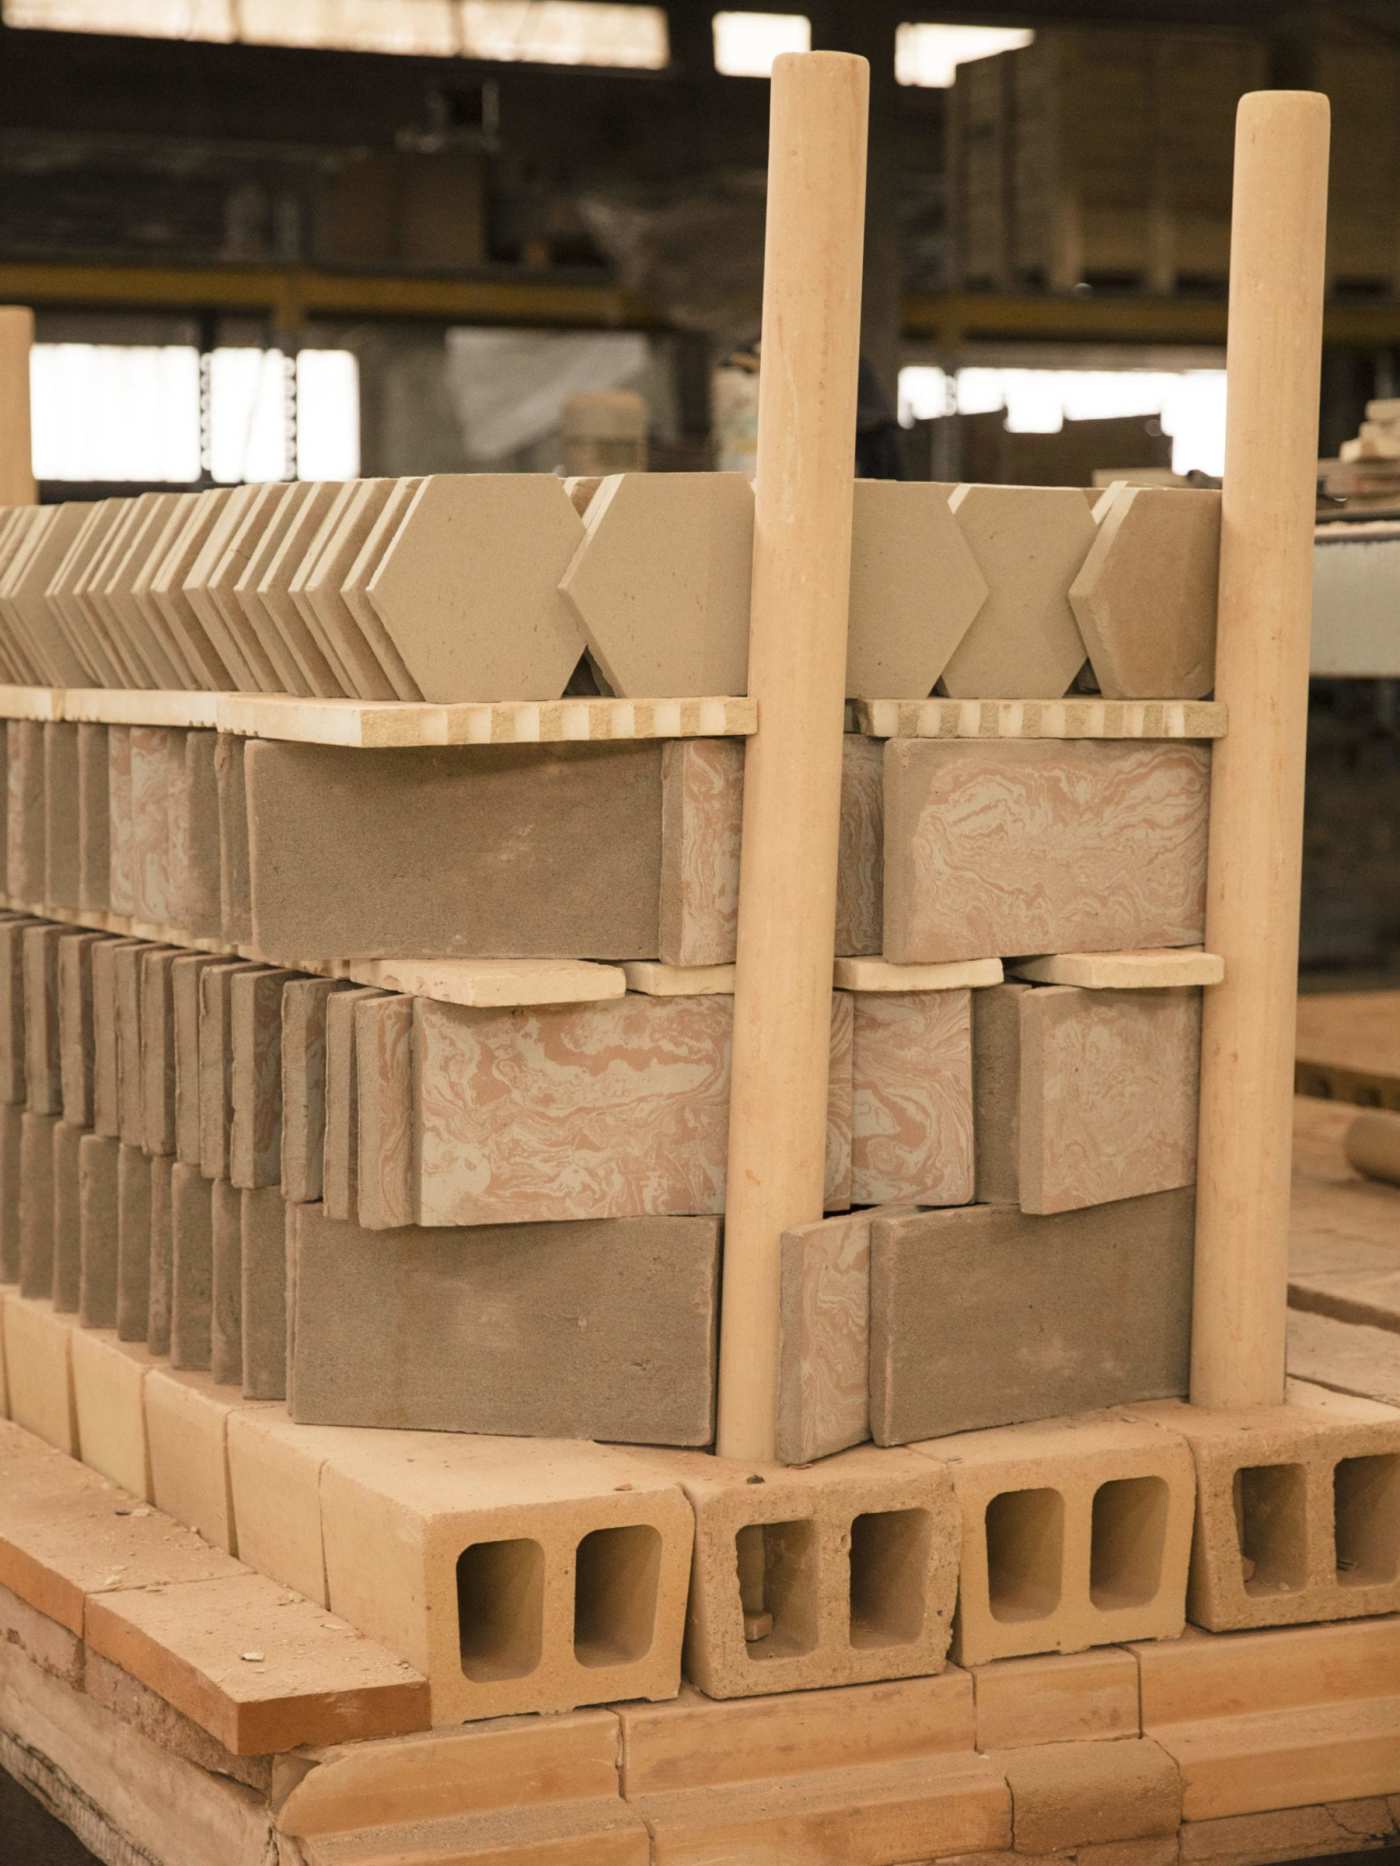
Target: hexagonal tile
(468, 588)
(1145, 597)
(915, 589)
(660, 585)
(1029, 543)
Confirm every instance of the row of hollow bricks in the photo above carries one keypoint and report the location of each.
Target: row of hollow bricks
(539, 1575)
(1239, 1726)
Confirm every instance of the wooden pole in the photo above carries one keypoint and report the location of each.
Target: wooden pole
(16, 464)
(797, 673)
(1256, 803)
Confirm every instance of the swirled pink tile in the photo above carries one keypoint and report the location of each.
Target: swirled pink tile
(912, 1070)
(1037, 846)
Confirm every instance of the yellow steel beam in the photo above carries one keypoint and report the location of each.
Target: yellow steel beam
(291, 296)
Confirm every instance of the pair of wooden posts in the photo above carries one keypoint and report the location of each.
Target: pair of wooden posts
(797, 657)
(797, 660)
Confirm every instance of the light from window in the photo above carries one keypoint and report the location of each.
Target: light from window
(114, 411)
(130, 412)
(1190, 403)
(566, 32)
(747, 43)
(425, 27)
(328, 415)
(143, 19)
(930, 55)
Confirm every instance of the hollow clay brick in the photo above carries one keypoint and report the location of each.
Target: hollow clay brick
(1029, 543)
(186, 1427)
(517, 1575)
(133, 1243)
(94, 819)
(38, 1380)
(263, 1296)
(859, 1560)
(341, 1153)
(158, 1049)
(66, 1286)
(255, 1076)
(1298, 1514)
(467, 588)
(109, 1379)
(1098, 1301)
(275, 1481)
(36, 1204)
(459, 842)
(1075, 1533)
(602, 1330)
(62, 877)
(912, 1074)
(162, 1255)
(192, 1268)
(26, 861)
(824, 1347)
(1145, 595)
(304, 1086)
(316, 1681)
(121, 876)
(76, 1038)
(702, 809)
(98, 1220)
(1039, 845)
(1084, 1097)
(660, 581)
(193, 793)
(633, 1092)
(1082, 1794)
(235, 878)
(384, 1112)
(226, 1283)
(43, 1063)
(1058, 1698)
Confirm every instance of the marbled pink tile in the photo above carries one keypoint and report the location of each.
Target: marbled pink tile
(610, 1110)
(194, 836)
(24, 812)
(839, 1104)
(824, 1355)
(255, 1077)
(384, 1103)
(702, 807)
(1110, 1084)
(154, 751)
(1042, 846)
(702, 803)
(121, 891)
(912, 1067)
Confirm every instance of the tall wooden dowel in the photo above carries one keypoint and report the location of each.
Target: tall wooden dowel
(1256, 804)
(797, 673)
(16, 463)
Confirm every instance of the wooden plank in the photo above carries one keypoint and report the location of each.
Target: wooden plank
(1073, 718)
(1348, 1047)
(1164, 969)
(385, 723)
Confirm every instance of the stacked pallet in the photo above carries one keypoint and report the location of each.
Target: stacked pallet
(1099, 156)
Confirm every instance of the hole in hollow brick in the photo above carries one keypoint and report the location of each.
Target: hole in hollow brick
(1271, 1518)
(889, 1576)
(1025, 1532)
(616, 1572)
(778, 1568)
(1366, 1512)
(500, 1608)
(1128, 1534)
